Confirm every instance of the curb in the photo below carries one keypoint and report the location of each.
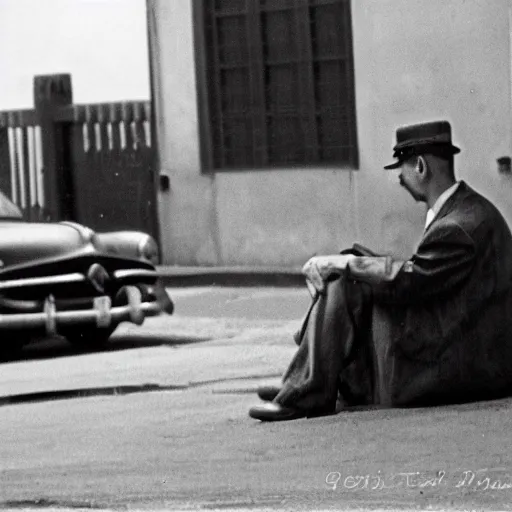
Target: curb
(230, 276)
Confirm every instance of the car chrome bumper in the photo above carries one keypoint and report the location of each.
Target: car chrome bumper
(102, 314)
(76, 277)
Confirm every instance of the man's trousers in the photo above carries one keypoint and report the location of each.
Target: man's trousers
(335, 351)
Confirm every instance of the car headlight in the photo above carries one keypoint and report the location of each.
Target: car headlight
(148, 250)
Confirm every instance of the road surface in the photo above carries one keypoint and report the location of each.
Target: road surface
(159, 422)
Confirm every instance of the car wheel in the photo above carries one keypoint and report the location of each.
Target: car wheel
(89, 338)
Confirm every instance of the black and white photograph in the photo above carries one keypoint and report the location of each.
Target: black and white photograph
(255, 255)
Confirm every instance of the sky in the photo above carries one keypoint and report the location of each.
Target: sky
(102, 43)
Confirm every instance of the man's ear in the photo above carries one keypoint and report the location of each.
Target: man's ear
(422, 167)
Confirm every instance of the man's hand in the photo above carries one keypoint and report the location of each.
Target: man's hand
(313, 275)
(318, 268)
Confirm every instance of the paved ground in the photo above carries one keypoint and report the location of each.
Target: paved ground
(187, 443)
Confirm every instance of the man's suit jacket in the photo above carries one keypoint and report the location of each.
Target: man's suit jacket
(442, 323)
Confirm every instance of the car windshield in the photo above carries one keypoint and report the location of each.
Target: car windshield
(8, 210)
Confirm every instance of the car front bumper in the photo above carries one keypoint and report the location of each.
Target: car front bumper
(102, 314)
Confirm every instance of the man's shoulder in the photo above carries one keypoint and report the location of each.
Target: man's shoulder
(471, 215)
(471, 210)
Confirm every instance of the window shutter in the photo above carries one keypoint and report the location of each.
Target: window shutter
(279, 82)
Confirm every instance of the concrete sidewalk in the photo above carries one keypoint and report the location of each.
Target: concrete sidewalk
(175, 275)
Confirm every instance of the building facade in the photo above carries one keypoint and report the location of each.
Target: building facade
(275, 118)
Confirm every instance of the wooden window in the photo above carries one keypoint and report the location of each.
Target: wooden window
(279, 83)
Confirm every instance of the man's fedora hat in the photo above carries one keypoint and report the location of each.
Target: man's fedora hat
(433, 137)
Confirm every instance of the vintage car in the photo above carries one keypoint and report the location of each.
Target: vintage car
(64, 279)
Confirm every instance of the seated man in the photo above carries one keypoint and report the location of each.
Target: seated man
(434, 329)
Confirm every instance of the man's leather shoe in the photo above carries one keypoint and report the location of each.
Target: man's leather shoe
(272, 411)
(268, 393)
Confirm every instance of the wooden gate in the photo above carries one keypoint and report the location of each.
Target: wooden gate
(93, 164)
(111, 159)
(21, 163)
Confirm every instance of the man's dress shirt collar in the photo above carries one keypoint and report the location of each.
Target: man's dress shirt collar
(441, 200)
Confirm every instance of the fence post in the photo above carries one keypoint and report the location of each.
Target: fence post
(50, 93)
(5, 164)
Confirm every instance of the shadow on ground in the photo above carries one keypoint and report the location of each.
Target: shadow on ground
(52, 348)
(66, 394)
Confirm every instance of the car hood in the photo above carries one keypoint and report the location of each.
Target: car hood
(22, 242)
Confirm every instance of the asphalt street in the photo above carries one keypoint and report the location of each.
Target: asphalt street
(158, 421)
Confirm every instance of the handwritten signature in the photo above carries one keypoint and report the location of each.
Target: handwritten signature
(480, 480)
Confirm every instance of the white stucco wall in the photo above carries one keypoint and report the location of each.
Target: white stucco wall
(415, 60)
(102, 43)
(429, 59)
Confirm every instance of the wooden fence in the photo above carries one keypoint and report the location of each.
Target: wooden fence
(92, 163)
(21, 161)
